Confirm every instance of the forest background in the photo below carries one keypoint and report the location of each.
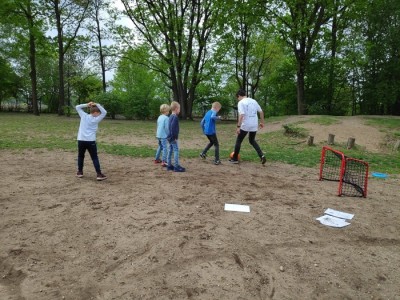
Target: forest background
(335, 57)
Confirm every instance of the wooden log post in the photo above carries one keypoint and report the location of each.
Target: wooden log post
(396, 146)
(310, 140)
(351, 142)
(331, 139)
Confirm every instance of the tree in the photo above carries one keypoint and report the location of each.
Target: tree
(24, 14)
(9, 81)
(68, 16)
(246, 40)
(96, 14)
(178, 32)
(299, 23)
(381, 90)
(338, 24)
(48, 83)
(82, 83)
(139, 89)
(30, 16)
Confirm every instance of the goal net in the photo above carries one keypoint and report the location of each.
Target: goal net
(351, 173)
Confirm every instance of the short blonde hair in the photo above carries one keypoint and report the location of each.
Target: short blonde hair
(174, 105)
(216, 105)
(164, 108)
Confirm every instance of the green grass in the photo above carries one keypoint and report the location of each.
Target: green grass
(276, 119)
(322, 120)
(391, 123)
(137, 139)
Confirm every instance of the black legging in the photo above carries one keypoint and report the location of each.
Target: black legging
(213, 141)
(252, 141)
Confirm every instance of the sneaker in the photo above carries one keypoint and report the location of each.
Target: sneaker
(263, 160)
(233, 161)
(179, 169)
(157, 161)
(217, 162)
(170, 168)
(164, 164)
(79, 174)
(101, 176)
(203, 156)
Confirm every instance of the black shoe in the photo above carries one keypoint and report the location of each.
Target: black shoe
(101, 177)
(217, 162)
(79, 174)
(203, 156)
(179, 169)
(233, 161)
(263, 160)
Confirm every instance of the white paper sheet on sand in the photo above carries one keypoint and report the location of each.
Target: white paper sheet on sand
(339, 214)
(332, 221)
(237, 207)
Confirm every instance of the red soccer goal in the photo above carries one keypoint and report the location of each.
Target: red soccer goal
(351, 173)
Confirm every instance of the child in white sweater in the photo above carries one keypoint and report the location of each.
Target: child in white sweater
(87, 136)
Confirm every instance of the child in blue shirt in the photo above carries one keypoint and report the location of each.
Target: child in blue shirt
(173, 139)
(87, 136)
(162, 133)
(208, 126)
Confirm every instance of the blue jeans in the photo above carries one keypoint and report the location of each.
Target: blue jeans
(162, 147)
(173, 147)
(252, 141)
(92, 149)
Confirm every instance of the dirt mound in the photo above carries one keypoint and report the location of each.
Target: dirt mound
(366, 136)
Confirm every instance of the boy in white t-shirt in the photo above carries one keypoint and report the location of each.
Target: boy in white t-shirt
(248, 110)
(87, 136)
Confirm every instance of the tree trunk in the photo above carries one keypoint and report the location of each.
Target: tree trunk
(244, 56)
(331, 86)
(32, 60)
(191, 101)
(61, 90)
(103, 67)
(353, 95)
(300, 87)
(77, 12)
(102, 58)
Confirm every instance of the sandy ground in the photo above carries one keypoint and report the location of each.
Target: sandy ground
(146, 233)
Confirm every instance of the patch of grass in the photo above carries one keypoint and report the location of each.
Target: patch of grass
(324, 120)
(121, 137)
(391, 123)
(388, 125)
(276, 119)
(294, 131)
(287, 149)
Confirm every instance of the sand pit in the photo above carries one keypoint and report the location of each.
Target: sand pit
(146, 233)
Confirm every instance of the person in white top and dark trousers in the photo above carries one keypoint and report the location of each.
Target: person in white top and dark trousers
(87, 136)
(248, 110)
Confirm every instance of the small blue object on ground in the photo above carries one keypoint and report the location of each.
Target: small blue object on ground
(379, 175)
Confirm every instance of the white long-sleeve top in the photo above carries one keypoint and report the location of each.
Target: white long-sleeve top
(89, 124)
